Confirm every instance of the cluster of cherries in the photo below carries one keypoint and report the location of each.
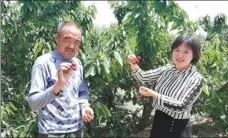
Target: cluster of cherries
(73, 66)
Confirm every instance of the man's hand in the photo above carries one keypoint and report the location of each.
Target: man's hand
(63, 76)
(87, 114)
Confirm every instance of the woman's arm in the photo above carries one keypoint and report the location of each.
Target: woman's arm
(192, 93)
(147, 76)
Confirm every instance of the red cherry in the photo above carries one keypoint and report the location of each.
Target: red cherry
(137, 61)
(139, 58)
(74, 66)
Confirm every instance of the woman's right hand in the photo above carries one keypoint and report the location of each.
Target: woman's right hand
(131, 61)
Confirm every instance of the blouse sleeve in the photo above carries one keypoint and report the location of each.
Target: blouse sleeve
(146, 76)
(192, 93)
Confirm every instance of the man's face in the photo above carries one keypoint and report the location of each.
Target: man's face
(68, 41)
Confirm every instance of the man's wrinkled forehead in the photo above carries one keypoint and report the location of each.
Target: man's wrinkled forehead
(71, 36)
(71, 32)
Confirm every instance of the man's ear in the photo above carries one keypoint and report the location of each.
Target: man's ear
(57, 37)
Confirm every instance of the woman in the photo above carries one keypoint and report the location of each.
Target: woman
(178, 86)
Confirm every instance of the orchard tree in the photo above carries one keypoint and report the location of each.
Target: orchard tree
(213, 65)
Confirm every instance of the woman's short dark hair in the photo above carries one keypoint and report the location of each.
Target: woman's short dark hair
(191, 43)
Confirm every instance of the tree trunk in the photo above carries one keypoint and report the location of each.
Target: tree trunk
(147, 109)
(146, 115)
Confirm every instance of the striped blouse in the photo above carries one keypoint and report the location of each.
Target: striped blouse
(177, 89)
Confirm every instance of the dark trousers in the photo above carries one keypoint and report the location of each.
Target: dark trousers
(76, 134)
(187, 133)
(165, 126)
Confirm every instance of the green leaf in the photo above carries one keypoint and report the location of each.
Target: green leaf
(105, 109)
(91, 71)
(30, 6)
(133, 30)
(82, 55)
(118, 57)
(126, 21)
(39, 46)
(97, 111)
(12, 106)
(98, 67)
(205, 89)
(106, 65)
(174, 26)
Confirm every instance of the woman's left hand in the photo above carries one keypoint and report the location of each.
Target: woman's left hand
(144, 91)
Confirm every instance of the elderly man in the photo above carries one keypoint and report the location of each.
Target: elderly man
(55, 85)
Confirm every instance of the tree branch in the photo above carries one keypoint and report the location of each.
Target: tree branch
(223, 87)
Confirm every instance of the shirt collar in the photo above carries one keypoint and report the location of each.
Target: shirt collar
(190, 68)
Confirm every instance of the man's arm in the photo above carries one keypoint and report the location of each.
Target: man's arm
(38, 96)
(83, 94)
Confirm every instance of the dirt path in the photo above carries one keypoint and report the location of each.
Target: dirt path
(202, 125)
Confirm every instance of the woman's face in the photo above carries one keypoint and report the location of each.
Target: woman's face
(182, 56)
